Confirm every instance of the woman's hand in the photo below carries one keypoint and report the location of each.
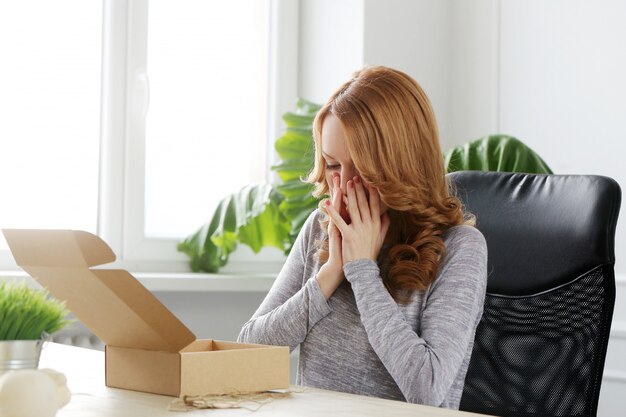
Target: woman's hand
(334, 236)
(364, 236)
(330, 274)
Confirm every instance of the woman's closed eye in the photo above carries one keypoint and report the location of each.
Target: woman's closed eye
(332, 166)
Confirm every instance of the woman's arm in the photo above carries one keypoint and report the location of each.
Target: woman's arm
(290, 308)
(425, 364)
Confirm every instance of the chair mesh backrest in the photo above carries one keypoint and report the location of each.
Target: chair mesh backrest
(551, 370)
(540, 346)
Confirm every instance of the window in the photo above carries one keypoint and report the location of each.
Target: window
(49, 115)
(206, 129)
(183, 94)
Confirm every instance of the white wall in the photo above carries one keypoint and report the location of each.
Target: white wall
(415, 36)
(331, 45)
(339, 37)
(412, 36)
(472, 101)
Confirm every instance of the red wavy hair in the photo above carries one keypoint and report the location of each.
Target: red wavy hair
(393, 140)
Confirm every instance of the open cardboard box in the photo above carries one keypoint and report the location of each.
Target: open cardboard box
(148, 348)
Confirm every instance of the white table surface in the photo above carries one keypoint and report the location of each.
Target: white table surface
(84, 369)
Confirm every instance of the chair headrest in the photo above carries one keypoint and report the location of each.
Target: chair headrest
(541, 230)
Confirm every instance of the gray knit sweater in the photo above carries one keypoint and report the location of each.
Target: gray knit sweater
(361, 341)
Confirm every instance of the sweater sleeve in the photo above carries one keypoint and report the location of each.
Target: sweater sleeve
(425, 364)
(292, 307)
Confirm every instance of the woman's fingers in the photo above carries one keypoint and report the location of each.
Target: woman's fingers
(336, 193)
(353, 207)
(336, 217)
(333, 235)
(361, 198)
(338, 199)
(374, 202)
(385, 221)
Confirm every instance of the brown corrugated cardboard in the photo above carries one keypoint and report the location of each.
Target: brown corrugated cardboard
(148, 348)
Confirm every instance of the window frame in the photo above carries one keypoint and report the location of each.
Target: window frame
(124, 102)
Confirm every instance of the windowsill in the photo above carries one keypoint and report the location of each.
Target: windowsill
(187, 281)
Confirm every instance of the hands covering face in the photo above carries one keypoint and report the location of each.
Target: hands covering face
(362, 234)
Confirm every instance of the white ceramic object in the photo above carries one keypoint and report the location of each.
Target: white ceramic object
(32, 393)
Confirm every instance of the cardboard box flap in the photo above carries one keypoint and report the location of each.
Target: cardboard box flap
(110, 302)
(34, 247)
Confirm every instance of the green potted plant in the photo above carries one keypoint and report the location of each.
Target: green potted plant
(27, 316)
(272, 214)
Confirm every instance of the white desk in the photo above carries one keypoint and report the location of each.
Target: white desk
(90, 397)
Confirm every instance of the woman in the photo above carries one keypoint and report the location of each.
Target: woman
(385, 284)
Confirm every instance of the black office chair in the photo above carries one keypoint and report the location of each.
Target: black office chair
(541, 343)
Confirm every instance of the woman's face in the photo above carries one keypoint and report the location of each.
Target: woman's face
(338, 160)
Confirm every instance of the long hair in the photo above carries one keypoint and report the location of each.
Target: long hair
(393, 140)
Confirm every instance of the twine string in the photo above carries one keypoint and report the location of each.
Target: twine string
(230, 399)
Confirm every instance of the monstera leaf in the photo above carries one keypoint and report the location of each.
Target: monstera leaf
(272, 215)
(251, 216)
(495, 153)
(296, 150)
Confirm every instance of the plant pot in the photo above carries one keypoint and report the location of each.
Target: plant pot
(19, 354)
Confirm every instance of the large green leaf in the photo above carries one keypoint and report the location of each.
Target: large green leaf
(307, 107)
(296, 150)
(294, 144)
(251, 216)
(298, 121)
(293, 169)
(495, 153)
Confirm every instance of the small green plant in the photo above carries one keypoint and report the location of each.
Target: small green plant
(27, 313)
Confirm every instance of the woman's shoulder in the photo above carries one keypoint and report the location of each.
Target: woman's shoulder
(313, 221)
(464, 235)
(465, 245)
(312, 229)
(465, 259)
